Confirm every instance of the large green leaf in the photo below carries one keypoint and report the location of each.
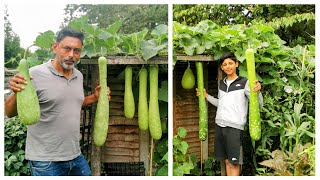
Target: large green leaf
(163, 91)
(165, 157)
(285, 65)
(189, 45)
(187, 166)
(78, 23)
(89, 51)
(33, 61)
(45, 40)
(177, 169)
(163, 171)
(183, 147)
(114, 28)
(160, 30)
(182, 132)
(138, 37)
(150, 49)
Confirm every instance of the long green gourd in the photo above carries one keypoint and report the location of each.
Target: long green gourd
(254, 113)
(27, 100)
(101, 121)
(154, 115)
(143, 117)
(129, 106)
(203, 111)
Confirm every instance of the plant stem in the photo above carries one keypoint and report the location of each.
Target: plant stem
(26, 50)
(151, 156)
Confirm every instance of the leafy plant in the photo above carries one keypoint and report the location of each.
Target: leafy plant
(161, 157)
(108, 41)
(182, 162)
(14, 144)
(299, 162)
(287, 75)
(211, 167)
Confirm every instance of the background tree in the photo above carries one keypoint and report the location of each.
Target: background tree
(12, 50)
(136, 17)
(295, 24)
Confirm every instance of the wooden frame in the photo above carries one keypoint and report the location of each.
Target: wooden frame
(114, 60)
(204, 58)
(144, 137)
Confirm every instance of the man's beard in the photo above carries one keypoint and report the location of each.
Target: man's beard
(66, 66)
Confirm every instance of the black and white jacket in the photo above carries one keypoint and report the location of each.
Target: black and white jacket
(232, 103)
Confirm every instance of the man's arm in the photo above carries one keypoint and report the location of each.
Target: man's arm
(89, 100)
(10, 106)
(93, 98)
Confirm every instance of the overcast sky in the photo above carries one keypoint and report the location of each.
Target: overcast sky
(28, 20)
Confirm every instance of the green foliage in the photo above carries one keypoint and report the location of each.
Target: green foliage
(284, 22)
(157, 45)
(287, 75)
(220, 14)
(182, 162)
(14, 144)
(108, 41)
(188, 164)
(12, 50)
(300, 162)
(293, 23)
(163, 91)
(136, 17)
(161, 157)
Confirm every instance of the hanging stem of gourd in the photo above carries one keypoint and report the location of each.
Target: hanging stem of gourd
(188, 64)
(139, 72)
(26, 50)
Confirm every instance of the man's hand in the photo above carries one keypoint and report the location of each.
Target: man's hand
(15, 81)
(257, 86)
(204, 91)
(97, 92)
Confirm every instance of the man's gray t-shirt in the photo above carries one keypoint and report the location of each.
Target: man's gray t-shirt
(56, 136)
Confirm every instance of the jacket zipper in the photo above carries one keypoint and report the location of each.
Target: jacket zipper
(230, 84)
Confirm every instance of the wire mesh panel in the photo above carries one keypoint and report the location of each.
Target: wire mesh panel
(125, 169)
(86, 113)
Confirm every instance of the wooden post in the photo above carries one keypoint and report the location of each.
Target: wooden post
(95, 160)
(174, 128)
(151, 158)
(144, 149)
(95, 151)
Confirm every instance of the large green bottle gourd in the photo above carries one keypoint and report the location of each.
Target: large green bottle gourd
(203, 111)
(154, 114)
(188, 80)
(27, 100)
(101, 121)
(143, 102)
(254, 113)
(129, 107)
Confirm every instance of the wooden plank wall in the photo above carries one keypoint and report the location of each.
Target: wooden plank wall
(123, 139)
(186, 109)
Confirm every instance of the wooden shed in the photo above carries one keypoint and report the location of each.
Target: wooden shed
(126, 148)
(185, 103)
